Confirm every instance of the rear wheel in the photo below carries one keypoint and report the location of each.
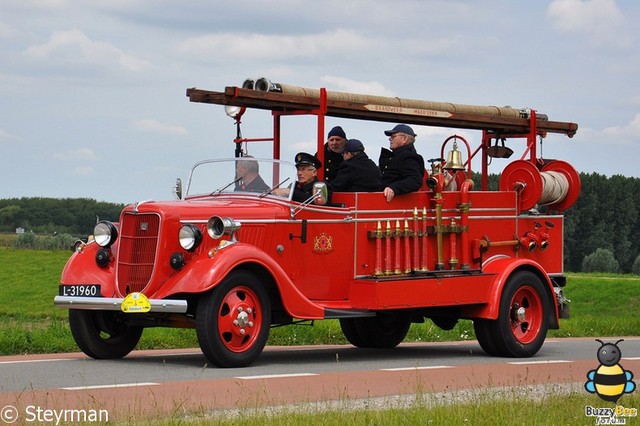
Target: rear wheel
(522, 322)
(103, 334)
(233, 320)
(386, 330)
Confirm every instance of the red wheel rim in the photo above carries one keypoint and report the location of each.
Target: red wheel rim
(526, 314)
(239, 319)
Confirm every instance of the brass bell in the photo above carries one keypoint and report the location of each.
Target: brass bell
(496, 151)
(454, 159)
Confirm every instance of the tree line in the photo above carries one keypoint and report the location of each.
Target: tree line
(601, 228)
(49, 216)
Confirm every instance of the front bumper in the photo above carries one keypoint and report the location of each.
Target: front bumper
(114, 304)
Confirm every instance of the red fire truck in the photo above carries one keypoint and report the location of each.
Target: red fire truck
(233, 263)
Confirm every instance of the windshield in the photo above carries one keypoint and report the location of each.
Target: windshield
(246, 175)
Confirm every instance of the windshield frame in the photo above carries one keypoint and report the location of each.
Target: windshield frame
(276, 174)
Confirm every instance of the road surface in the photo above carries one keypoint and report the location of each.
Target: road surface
(172, 382)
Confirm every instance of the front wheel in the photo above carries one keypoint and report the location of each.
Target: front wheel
(233, 320)
(103, 334)
(523, 319)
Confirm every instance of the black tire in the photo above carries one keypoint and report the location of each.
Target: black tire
(386, 330)
(233, 321)
(350, 331)
(484, 334)
(103, 334)
(513, 335)
(445, 323)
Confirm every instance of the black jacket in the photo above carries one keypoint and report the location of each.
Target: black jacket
(302, 192)
(359, 173)
(402, 169)
(332, 161)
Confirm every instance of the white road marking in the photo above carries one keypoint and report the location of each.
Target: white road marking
(33, 360)
(552, 361)
(122, 385)
(275, 376)
(432, 367)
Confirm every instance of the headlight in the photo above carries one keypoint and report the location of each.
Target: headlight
(190, 237)
(105, 233)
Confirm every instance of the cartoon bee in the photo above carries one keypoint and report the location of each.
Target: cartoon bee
(609, 381)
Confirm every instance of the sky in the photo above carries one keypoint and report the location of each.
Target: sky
(93, 93)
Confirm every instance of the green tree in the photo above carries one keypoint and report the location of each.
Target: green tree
(602, 260)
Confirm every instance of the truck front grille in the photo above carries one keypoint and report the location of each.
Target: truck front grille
(137, 251)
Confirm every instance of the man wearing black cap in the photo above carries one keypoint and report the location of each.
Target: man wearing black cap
(357, 172)
(402, 167)
(307, 166)
(333, 148)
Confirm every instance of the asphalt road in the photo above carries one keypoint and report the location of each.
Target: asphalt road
(156, 382)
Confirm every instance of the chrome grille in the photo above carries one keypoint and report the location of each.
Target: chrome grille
(137, 251)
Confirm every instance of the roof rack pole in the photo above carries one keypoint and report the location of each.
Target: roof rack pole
(322, 111)
(276, 136)
(486, 142)
(531, 137)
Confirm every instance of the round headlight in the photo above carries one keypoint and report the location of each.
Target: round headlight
(105, 233)
(190, 237)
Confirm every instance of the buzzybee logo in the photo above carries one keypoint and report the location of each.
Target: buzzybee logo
(610, 381)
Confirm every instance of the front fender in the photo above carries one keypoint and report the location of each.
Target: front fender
(204, 273)
(81, 268)
(503, 267)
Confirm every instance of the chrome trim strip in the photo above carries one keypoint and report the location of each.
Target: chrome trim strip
(113, 304)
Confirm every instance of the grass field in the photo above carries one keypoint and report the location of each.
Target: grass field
(29, 323)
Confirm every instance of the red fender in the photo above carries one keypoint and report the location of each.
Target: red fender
(205, 273)
(503, 266)
(81, 269)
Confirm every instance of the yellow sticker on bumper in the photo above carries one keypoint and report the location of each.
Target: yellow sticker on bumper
(135, 303)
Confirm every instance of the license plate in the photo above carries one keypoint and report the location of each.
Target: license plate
(84, 290)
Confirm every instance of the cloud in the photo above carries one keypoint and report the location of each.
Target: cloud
(83, 171)
(273, 47)
(73, 47)
(153, 126)
(630, 133)
(80, 154)
(600, 20)
(6, 135)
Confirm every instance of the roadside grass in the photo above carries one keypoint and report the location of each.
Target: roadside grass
(29, 323)
(485, 407)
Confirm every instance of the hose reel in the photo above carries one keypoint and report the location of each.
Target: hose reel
(556, 185)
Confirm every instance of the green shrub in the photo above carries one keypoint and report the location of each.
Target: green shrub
(602, 260)
(26, 241)
(31, 241)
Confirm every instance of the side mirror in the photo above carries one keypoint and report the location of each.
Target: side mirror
(177, 190)
(320, 192)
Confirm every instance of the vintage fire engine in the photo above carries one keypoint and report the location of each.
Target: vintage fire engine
(232, 263)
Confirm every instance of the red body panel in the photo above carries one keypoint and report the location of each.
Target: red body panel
(336, 266)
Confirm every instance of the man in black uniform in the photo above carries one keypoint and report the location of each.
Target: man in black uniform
(333, 148)
(357, 171)
(307, 166)
(402, 167)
